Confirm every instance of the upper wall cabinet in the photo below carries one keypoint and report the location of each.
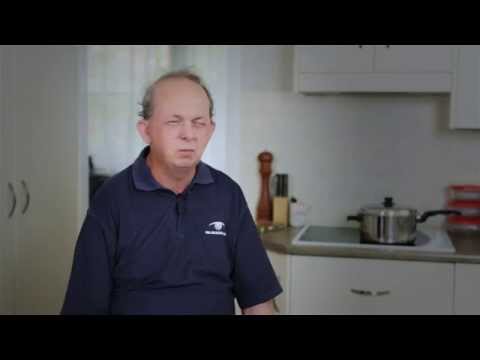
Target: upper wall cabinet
(465, 99)
(335, 59)
(374, 68)
(414, 59)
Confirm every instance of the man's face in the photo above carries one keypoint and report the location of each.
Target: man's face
(180, 127)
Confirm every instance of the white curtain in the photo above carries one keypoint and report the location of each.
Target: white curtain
(117, 78)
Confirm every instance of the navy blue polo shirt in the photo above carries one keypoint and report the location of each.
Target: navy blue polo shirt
(143, 249)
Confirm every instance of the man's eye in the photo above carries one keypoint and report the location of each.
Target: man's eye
(173, 122)
(199, 123)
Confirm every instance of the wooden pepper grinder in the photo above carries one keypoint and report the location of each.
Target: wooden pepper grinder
(264, 208)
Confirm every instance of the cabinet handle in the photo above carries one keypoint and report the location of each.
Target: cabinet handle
(370, 293)
(27, 194)
(360, 46)
(14, 205)
(387, 46)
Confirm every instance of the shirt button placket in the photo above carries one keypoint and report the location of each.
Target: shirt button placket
(179, 206)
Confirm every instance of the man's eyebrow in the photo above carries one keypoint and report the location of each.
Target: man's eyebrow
(180, 117)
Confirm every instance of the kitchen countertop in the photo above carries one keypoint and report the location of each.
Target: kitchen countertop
(467, 249)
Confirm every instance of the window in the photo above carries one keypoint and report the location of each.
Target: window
(117, 78)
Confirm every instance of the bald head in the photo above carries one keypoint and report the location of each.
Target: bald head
(171, 84)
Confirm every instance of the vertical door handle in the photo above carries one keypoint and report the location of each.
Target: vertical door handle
(27, 197)
(14, 205)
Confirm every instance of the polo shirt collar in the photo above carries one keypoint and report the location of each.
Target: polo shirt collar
(144, 180)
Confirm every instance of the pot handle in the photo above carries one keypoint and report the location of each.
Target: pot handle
(428, 214)
(358, 218)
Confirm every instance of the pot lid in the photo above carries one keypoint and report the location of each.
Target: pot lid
(388, 208)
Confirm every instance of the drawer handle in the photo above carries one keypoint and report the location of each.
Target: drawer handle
(370, 293)
(361, 292)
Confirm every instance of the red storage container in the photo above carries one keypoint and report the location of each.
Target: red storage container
(468, 208)
(464, 192)
(463, 224)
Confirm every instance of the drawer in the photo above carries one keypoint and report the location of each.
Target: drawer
(321, 285)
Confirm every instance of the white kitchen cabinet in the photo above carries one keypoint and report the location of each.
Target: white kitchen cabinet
(315, 285)
(335, 58)
(373, 68)
(467, 289)
(322, 285)
(6, 201)
(45, 104)
(414, 59)
(281, 266)
(465, 104)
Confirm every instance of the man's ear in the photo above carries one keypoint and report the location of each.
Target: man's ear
(142, 128)
(213, 125)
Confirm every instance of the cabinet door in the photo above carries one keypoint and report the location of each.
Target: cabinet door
(334, 58)
(465, 104)
(467, 289)
(6, 196)
(373, 69)
(280, 265)
(46, 101)
(413, 58)
(359, 286)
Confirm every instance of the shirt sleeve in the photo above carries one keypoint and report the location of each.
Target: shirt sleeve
(90, 283)
(255, 281)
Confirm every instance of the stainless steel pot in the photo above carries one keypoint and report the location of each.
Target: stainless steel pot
(390, 224)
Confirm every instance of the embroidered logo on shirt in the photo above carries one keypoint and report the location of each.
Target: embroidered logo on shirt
(218, 226)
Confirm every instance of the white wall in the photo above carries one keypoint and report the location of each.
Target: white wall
(345, 151)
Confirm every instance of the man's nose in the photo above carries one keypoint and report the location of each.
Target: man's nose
(186, 131)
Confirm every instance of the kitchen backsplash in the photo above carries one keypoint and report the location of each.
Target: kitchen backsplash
(345, 151)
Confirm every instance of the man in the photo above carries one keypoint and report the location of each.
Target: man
(169, 234)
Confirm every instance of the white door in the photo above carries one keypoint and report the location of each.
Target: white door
(414, 58)
(334, 58)
(3, 193)
(47, 102)
(7, 196)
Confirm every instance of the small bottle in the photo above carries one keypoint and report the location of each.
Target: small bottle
(298, 213)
